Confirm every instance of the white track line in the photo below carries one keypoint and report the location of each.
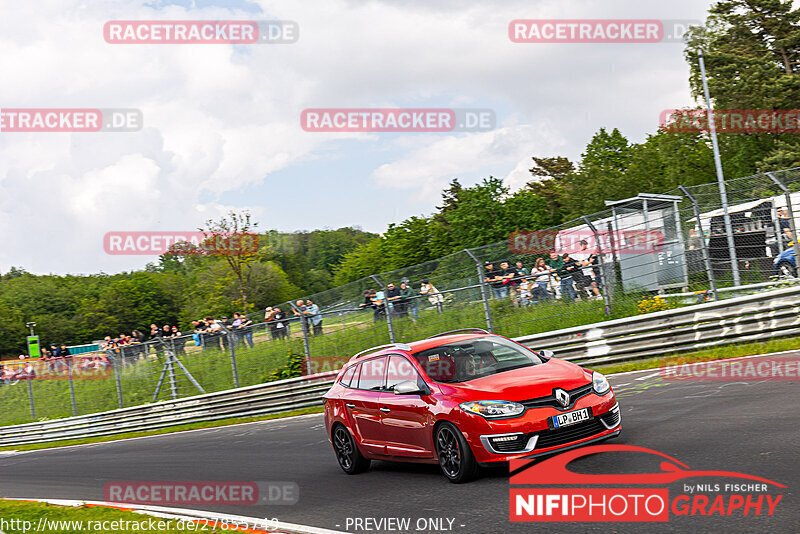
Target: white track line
(187, 514)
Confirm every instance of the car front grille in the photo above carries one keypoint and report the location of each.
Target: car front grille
(568, 434)
(550, 400)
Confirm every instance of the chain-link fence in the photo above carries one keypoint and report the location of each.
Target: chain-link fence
(643, 254)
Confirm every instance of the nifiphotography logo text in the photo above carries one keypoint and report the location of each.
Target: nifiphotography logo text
(639, 497)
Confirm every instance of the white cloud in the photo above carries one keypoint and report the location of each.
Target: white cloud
(222, 119)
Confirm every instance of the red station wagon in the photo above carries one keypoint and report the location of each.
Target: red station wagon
(462, 399)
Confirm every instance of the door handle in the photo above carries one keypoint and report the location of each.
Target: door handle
(350, 405)
(385, 410)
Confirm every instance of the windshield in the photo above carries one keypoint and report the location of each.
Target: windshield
(474, 358)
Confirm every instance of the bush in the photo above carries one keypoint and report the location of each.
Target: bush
(653, 304)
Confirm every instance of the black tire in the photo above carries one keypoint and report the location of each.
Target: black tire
(456, 460)
(786, 269)
(349, 457)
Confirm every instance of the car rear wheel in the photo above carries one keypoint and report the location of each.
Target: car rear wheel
(787, 269)
(350, 458)
(455, 457)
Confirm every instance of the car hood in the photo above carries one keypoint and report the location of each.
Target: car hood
(521, 384)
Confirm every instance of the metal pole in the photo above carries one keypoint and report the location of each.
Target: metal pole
(787, 194)
(723, 193)
(604, 278)
(385, 307)
(706, 257)
(118, 380)
(232, 349)
(487, 312)
(30, 398)
(304, 327)
(171, 374)
(71, 386)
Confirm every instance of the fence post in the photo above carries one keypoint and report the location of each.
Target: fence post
(787, 195)
(116, 367)
(30, 398)
(487, 312)
(232, 348)
(304, 327)
(723, 193)
(603, 277)
(706, 257)
(385, 307)
(171, 375)
(71, 386)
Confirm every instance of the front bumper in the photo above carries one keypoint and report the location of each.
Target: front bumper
(530, 436)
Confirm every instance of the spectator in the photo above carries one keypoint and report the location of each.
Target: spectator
(510, 280)
(584, 277)
(523, 271)
(314, 315)
(378, 304)
(785, 224)
(495, 279)
(695, 241)
(393, 298)
(541, 274)
(278, 319)
(225, 332)
(566, 274)
(178, 341)
(556, 263)
(434, 297)
(404, 301)
(243, 326)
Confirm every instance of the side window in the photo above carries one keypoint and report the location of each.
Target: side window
(373, 374)
(401, 370)
(348, 376)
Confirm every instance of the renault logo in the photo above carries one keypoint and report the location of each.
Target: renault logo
(561, 396)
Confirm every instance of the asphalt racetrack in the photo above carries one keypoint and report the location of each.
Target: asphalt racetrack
(747, 427)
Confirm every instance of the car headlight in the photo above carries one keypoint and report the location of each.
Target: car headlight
(600, 383)
(493, 408)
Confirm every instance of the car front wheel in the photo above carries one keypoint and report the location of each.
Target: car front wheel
(455, 457)
(350, 458)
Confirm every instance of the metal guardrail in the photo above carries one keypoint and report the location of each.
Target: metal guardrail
(740, 319)
(272, 397)
(749, 318)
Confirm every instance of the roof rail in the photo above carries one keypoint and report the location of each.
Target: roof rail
(461, 331)
(401, 346)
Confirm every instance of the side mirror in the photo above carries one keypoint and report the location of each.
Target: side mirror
(547, 353)
(409, 387)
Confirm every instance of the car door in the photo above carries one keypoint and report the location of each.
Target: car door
(407, 423)
(362, 404)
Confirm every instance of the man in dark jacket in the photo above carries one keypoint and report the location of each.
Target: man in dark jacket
(566, 273)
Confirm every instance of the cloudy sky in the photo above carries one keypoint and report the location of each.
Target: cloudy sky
(221, 122)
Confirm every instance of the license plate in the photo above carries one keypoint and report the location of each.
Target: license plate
(570, 418)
